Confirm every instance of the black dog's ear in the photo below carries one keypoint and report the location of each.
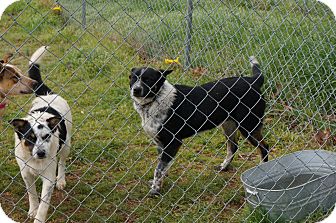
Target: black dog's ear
(53, 122)
(18, 124)
(133, 70)
(165, 72)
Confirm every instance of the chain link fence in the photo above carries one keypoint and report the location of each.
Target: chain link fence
(94, 44)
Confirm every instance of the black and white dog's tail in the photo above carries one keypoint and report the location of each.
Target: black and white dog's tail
(35, 74)
(257, 75)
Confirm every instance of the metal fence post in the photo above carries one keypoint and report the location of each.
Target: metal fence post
(188, 35)
(84, 14)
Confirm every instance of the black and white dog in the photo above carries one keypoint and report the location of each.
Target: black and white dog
(171, 113)
(39, 137)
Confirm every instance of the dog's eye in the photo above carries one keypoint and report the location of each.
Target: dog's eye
(30, 140)
(31, 137)
(15, 79)
(46, 137)
(144, 78)
(133, 77)
(27, 142)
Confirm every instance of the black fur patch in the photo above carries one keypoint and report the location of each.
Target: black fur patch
(25, 132)
(61, 127)
(40, 88)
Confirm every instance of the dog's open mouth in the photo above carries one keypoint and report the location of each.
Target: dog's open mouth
(26, 92)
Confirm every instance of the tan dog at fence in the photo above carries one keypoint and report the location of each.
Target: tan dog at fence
(12, 82)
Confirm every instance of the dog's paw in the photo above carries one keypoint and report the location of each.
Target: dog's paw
(32, 212)
(38, 221)
(60, 184)
(154, 193)
(221, 168)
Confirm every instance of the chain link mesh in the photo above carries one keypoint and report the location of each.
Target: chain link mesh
(93, 46)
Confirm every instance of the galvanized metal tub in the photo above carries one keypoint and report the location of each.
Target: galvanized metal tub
(293, 186)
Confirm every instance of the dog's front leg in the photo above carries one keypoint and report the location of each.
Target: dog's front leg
(29, 180)
(63, 153)
(159, 174)
(166, 156)
(47, 189)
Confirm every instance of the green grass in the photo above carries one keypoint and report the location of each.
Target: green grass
(112, 159)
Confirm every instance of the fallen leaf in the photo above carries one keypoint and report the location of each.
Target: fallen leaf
(319, 137)
(278, 89)
(199, 70)
(324, 137)
(288, 107)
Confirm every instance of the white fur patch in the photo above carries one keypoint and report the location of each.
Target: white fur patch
(37, 56)
(155, 114)
(253, 60)
(24, 157)
(55, 101)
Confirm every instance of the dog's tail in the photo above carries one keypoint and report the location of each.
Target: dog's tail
(35, 74)
(257, 75)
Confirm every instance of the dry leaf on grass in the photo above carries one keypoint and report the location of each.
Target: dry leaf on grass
(288, 107)
(324, 137)
(199, 71)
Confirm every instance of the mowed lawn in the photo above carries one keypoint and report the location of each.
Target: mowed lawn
(111, 158)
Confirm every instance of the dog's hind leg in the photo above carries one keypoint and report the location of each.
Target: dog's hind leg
(32, 194)
(63, 154)
(257, 140)
(168, 153)
(230, 130)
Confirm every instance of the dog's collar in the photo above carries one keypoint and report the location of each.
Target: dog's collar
(148, 103)
(3, 105)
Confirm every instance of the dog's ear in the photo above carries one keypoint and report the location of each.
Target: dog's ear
(7, 57)
(53, 122)
(18, 124)
(133, 70)
(165, 72)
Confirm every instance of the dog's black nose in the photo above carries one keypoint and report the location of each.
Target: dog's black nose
(137, 91)
(41, 154)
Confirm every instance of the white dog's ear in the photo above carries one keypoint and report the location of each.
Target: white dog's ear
(165, 72)
(18, 124)
(53, 122)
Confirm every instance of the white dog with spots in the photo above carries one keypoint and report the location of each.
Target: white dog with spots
(39, 137)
